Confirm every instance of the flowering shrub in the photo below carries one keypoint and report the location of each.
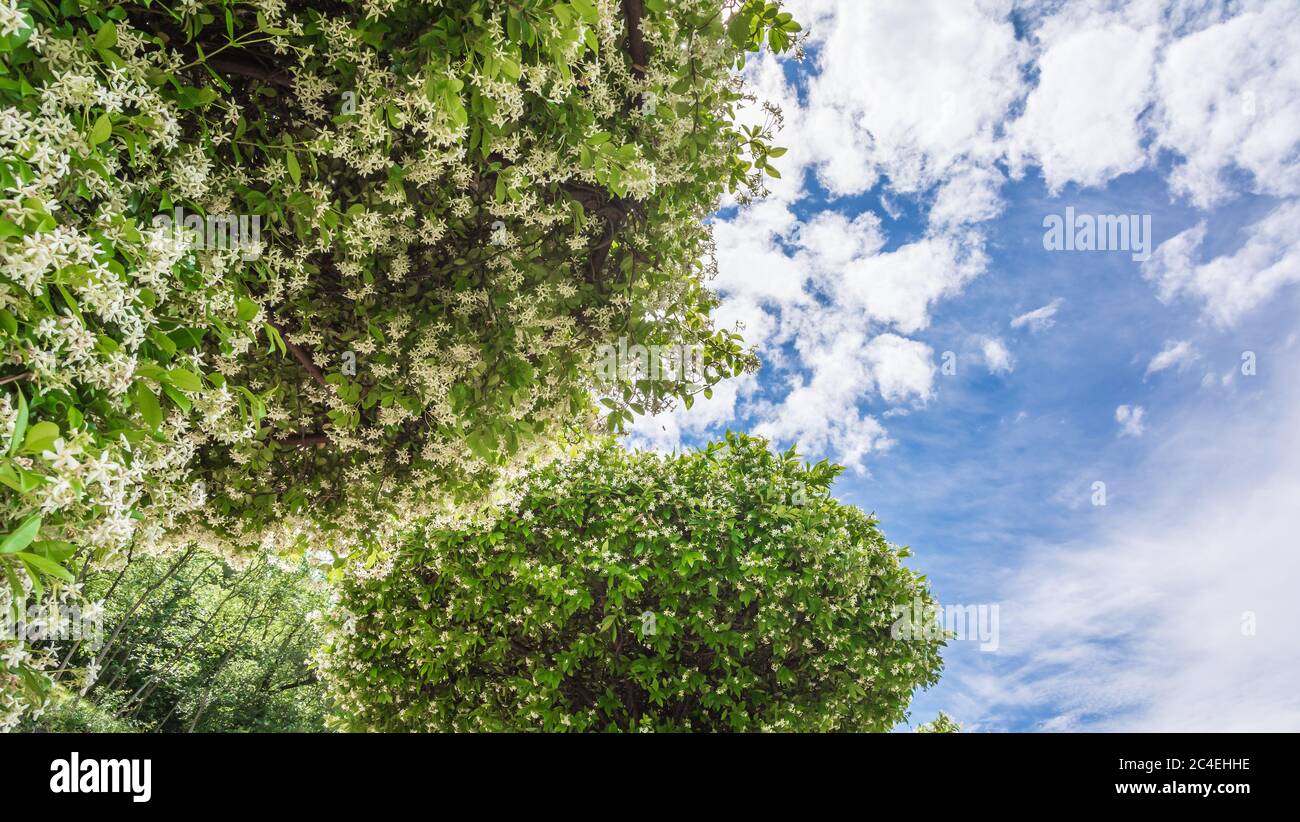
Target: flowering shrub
(461, 201)
(717, 590)
(106, 322)
(454, 202)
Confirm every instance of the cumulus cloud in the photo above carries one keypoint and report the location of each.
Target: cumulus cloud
(898, 287)
(1081, 122)
(838, 370)
(1130, 419)
(1229, 98)
(968, 196)
(911, 91)
(1232, 284)
(830, 312)
(820, 410)
(901, 368)
(996, 356)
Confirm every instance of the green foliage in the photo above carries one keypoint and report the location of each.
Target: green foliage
(456, 203)
(68, 713)
(941, 724)
(202, 646)
(721, 589)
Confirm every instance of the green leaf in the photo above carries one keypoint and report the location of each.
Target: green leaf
(46, 566)
(587, 10)
(245, 309)
(35, 577)
(54, 549)
(106, 37)
(40, 437)
(22, 535)
(738, 29)
(295, 171)
(184, 380)
(182, 401)
(20, 424)
(102, 130)
(147, 402)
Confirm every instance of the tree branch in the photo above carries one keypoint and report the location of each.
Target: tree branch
(633, 11)
(310, 679)
(228, 65)
(305, 440)
(300, 354)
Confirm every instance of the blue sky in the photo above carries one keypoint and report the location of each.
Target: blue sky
(928, 141)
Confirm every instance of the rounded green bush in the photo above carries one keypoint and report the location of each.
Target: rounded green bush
(721, 589)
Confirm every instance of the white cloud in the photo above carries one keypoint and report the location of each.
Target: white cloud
(1040, 319)
(1232, 284)
(902, 368)
(1229, 97)
(968, 196)
(1130, 420)
(1180, 354)
(996, 356)
(1081, 123)
(817, 297)
(820, 411)
(898, 287)
(751, 261)
(829, 241)
(908, 90)
(668, 431)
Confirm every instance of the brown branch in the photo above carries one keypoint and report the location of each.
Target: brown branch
(232, 66)
(304, 440)
(633, 11)
(25, 375)
(300, 354)
(310, 679)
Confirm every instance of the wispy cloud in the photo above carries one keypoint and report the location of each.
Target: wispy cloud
(1176, 611)
(1180, 354)
(1040, 319)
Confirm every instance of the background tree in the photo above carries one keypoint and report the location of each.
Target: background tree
(193, 644)
(720, 589)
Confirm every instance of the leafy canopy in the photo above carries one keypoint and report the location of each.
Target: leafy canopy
(720, 589)
(419, 221)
